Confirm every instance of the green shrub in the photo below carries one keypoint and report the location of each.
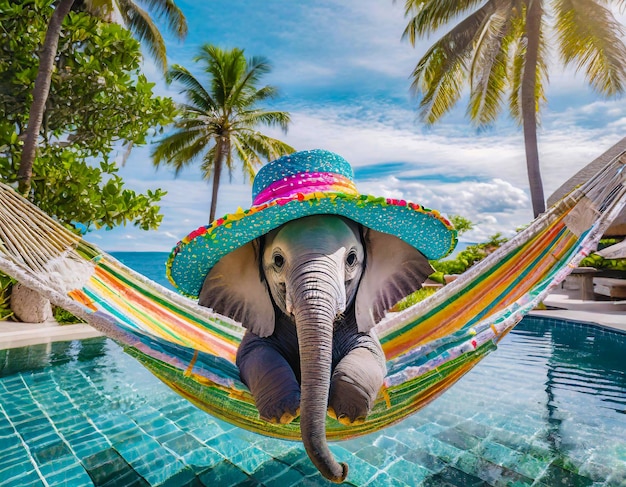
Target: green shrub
(6, 285)
(64, 317)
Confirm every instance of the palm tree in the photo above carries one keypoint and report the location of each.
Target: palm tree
(500, 49)
(218, 123)
(133, 16)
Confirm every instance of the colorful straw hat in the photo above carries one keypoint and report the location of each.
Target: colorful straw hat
(302, 184)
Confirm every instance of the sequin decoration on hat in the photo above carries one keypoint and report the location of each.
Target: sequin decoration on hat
(315, 182)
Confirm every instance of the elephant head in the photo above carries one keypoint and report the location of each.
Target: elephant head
(315, 270)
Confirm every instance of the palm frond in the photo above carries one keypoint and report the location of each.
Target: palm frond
(193, 89)
(590, 38)
(208, 162)
(430, 15)
(141, 24)
(488, 72)
(171, 13)
(180, 148)
(252, 147)
(247, 80)
(252, 118)
(443, 71)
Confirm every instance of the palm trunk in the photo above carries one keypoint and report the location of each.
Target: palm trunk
(217, 173)
(40, 93)
(534, 14)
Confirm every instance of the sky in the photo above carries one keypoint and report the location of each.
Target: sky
(343, 73)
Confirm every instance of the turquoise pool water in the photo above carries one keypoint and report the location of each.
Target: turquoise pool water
(548, 408)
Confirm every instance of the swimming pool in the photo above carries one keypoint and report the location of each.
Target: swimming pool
(547, 408)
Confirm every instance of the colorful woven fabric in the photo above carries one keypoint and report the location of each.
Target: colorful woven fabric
(428, 346)
(302, 184)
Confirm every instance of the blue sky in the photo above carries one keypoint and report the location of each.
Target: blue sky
(343, 70)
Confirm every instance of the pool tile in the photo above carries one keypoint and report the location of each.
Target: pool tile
(228, 444)
(270, 469)
(277, 447)
(108, 465)
(73, 476)
(556, 475)
(28, 478)
(142, 448)
(458, 439)
(12, 456)
(204, 433)
(158, 466)
(287, 477)
(407, 472)
(250, 459)
(16, 470)
(181, 443)
(182, 478)
(8, 442)
(202, 458)
(223, 474)
(391, 445)
(51, 451)
(89, 448)
(492, 473)
(383, 479)
(127, 478)
(360, 472)
(456, 477)
(426, 460)
(473, 428)
(529, 466)
(375, 456)
(57, 465)
(617, 478)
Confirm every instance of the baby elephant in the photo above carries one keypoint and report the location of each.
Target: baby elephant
(309, 293)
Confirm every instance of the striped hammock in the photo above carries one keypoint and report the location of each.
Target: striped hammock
(428, 346)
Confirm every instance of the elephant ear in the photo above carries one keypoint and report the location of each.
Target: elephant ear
(235, 288)
(393, 270)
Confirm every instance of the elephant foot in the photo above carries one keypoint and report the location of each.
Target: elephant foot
(282, 412)
(344, 419)
(348, 403)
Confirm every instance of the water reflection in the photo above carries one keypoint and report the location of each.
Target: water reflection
(35, 357)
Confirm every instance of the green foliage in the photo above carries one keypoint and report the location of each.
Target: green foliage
(99, 102)
(599, 262)
(414, 298)
(64, 317)
(466, 258)
(6, 284)
(461, 224)
(594, 260)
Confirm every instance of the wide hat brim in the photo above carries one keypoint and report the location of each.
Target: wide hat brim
(195, 255)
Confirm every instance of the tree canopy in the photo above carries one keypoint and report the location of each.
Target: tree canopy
(99, 104)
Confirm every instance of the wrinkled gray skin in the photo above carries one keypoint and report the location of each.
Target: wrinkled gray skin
(309, 293)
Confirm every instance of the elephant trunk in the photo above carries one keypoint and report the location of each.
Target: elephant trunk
(314, 315)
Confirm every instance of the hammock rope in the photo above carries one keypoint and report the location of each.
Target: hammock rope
(428, 346)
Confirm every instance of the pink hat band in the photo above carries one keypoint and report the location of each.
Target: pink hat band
(306, 183)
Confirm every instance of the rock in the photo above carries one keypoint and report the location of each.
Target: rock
(29, 306)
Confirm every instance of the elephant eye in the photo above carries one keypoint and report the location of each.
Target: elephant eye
(351, 258)
(279, 260)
